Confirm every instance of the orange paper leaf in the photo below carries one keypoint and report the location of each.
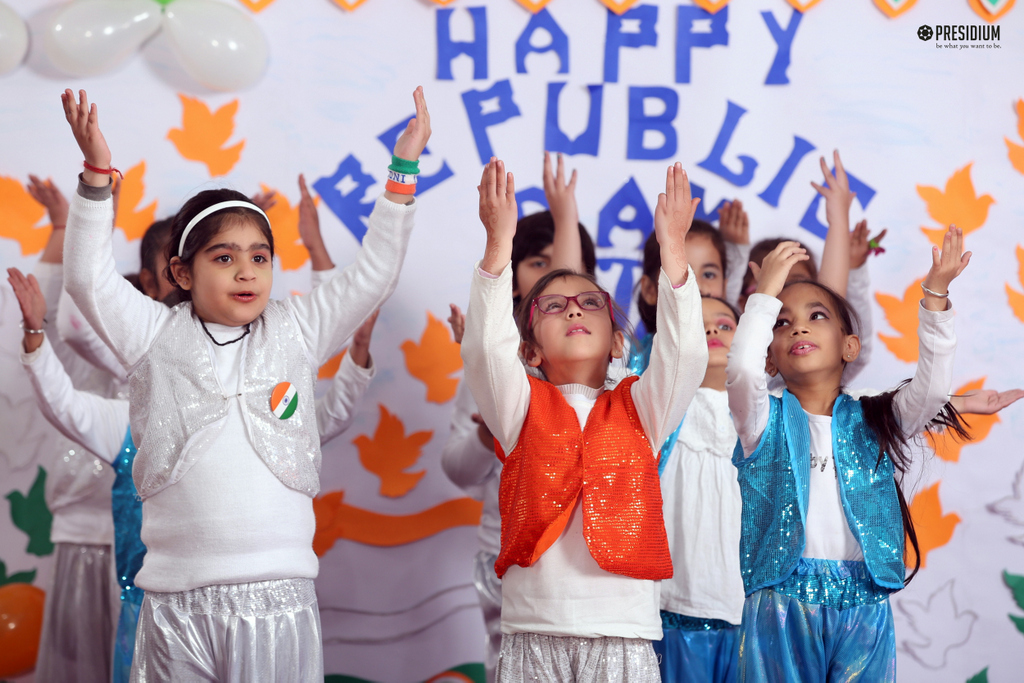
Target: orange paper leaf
(202, 135)
(901, 314)
(617, 6)
(1017, 299)
(983, 11)
(803, 5)
(20, 214)
(433, 360)
(284, 221)
(132, 221)
(711, 6)
(257, 5)
(1016, 154)
(390, 452)
(934, 529)
(958, 205)
(946, 445)
(893, 9)
(336, 520)
(329, 369)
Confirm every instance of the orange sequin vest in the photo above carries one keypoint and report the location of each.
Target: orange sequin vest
(609, 466)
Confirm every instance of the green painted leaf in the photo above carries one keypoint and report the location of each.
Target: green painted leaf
(31, 515)
(20, 577)
(980, 677)
(1015, 584)
(1018, 622)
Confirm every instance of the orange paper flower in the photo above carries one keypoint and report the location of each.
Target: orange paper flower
(934, 529)
(1016, 152)
(1016, 298)
(946, 445)
(433, 360)
(901, 314)
(203, 134)
(133, 221)
(958, 205)
(390, 452)
(21, 213)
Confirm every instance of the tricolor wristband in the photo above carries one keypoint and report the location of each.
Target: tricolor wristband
(399, 165)
(401, 183)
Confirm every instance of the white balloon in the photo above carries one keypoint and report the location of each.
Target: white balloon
(90, 37)
(217, 44)
(13, 39)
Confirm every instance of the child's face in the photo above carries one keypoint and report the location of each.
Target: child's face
(720, 327)
(809, 341)
(231, 276)
(155, 284)
(707, 265)
(531, 269)
(573, 336)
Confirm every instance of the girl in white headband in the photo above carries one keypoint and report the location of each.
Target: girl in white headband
(221, 409)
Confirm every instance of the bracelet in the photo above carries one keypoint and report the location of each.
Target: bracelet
(402, 178)
(399, 188)
(103, 171)
(928, 291)
(28, 331)
(400, 165)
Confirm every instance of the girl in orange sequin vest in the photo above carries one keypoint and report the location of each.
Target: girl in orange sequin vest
(583, 543)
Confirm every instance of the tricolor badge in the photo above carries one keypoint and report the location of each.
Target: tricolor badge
(284, 400)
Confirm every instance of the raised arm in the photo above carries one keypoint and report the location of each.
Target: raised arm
(734, 225)
(336, 409)
(566, 250)
(835, 258)
(466, 459)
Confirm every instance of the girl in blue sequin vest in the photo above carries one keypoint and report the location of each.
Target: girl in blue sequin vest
(824, 519)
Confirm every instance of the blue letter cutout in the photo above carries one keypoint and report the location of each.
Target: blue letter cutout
(801, 148)
(616, 38)
(531, 194)
(559, 41)
(587, 142)
(702, 213)
(639, 122)
(349, 208)
(714, 163)
(389, 137)
(810, 220)
(784, 39)
(687, 39)
(447, 49)
(479, 122)
(609, 218)
(624, 287)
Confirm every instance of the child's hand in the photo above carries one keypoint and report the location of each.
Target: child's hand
(33, 306)
(861, 246)
(946, 266)
(85, 126)
(414, 139)
(47, 194)
(672, 220)
(309, 229)
(561, 196)
(733, 223)
(771, 275)
(457, 320)
(360, 346)
(499, 214)
(836, 192)
(265, 200)
(985, 401)
(482, 432)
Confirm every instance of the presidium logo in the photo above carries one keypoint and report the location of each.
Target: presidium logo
(961, 36)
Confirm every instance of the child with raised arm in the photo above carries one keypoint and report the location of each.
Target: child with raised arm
(582, 537)
(824, 517)
(222, 413)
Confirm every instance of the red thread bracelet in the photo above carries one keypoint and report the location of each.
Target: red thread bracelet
(104, 171)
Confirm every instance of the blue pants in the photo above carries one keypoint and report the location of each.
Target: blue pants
(845, 634)
(124, 643)
(697, 650)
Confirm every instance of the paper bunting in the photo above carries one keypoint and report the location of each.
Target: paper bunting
(711, 6)
(991, 10)
(803, 6)
(349, 5)
(257, 5)
(618, 7)
(894, 8)
(533, 5)
(437, 2)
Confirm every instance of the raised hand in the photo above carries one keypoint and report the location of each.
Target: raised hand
(561, 195)
(947, 264)
(33, 306)
(309, 229)
(861, 246)
(734, 223)
(360, 346)
(457, 321)
(414, 138)
(985, 401)
(771, 275)
(672, 220)
(265, 200)
(836, 192)
(499, 214)
(85, 126)
(47, 194)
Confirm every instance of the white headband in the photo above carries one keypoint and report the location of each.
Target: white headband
(213, 209)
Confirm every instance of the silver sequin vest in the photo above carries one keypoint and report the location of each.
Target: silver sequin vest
(177, 404)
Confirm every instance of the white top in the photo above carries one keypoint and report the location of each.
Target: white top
(473, 467)
(702, 514)
(229, 519)
(565, 593)
(828, 535)
(917, 402)
(77, 333)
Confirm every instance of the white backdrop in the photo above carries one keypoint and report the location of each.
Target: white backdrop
(904, 112)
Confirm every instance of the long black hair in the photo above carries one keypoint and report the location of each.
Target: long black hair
(882, 416)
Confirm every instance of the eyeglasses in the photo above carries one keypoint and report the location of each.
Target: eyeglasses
(552, 304)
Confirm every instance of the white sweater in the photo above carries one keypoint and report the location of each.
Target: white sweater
(229, 519)
(565, 593)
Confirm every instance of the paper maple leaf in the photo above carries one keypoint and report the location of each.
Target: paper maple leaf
(938, 626)
(1016, 152)
(433, 360)
(958, 205)
(946, 445)
(284, 221)
(934, 529)
(134, 222)
(390, 452)
(20, 214)
(31, 515)
(329, 369)
(901, 314)
(203, 134)
(1016, 298)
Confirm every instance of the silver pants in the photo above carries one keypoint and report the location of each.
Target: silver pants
(554, 659)
(76, 643)
(247, 632)
(488, 589)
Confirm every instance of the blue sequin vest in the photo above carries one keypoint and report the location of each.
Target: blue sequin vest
(127, 509)
(775, 489)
